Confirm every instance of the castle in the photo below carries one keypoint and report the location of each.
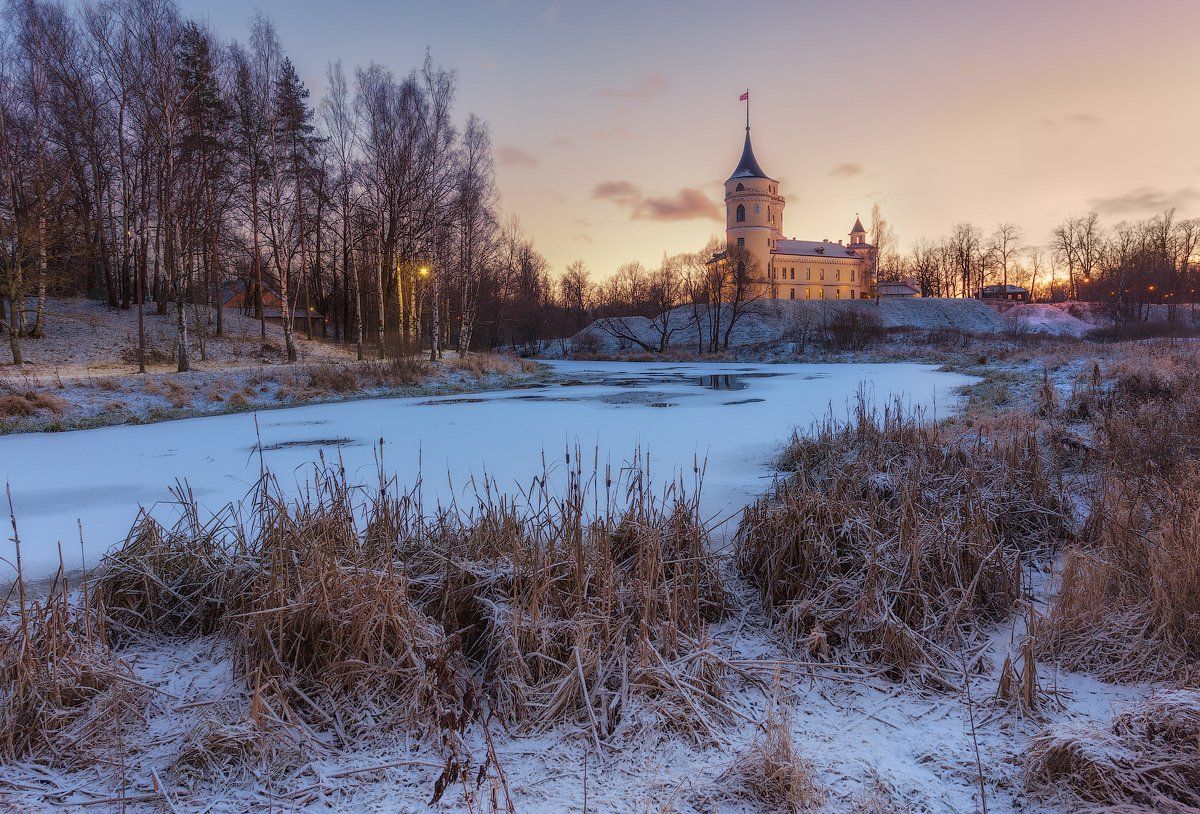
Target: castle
(781, 268)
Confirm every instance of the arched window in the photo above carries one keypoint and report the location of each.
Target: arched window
(740, 188)
(741, 213)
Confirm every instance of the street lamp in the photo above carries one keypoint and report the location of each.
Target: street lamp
(434, 327)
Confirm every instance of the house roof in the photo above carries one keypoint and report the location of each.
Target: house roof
(748, 165)
(815, 248)
(1004, 289)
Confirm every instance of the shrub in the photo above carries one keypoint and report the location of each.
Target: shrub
(1137, 329)
(852, 328)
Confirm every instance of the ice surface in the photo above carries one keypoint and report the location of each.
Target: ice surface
(734, 421)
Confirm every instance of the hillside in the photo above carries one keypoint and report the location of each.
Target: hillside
(87, 338)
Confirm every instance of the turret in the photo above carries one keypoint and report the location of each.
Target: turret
(857, 233)
(753, 209)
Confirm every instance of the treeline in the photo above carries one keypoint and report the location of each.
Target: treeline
(1129, 265)
(146, 162)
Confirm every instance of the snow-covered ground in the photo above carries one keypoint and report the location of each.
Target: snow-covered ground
(731, 417)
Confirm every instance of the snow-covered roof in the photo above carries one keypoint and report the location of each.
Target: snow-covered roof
(815, 248)
(1004, 289)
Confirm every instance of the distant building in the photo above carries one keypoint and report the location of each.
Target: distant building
(236, 294)
(1005, 293)
(896, 290)
(782, 268)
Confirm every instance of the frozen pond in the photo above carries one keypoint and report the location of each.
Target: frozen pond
(733, 416)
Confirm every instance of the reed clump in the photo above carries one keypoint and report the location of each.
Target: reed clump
(63, 694)
(1129, 596)
(324, 624)
(1147, 760)
(348, 614)
(893, 540)
(165, 581)
(572, 619)
(773, 774)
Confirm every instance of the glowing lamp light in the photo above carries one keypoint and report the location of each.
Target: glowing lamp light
(423, 271)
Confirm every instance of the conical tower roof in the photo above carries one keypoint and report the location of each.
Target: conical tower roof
(858, 227)
(748, 166)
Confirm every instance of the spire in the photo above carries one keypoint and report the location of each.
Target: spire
(858, 227)
(748, 166)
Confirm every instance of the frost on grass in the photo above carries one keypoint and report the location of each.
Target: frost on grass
(895, 541)
(64, 696)
(1130, 594)
(1147, 760)
(345, 620)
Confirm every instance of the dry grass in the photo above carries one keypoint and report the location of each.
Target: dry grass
(232, 751)
(166, 582)
(1129, 599)
(772, 774)
(895, 540)
(16, 402)
(64, 697)
(549, 615)
(484, 364)
(1148, 760)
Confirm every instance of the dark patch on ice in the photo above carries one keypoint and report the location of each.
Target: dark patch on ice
(315, 442)
(541, 397)
(648, 397)
(744, 401)
(721, 381)
(308, 422)
(661, 404)
(437, 402)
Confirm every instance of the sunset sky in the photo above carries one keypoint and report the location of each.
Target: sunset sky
(616, 123)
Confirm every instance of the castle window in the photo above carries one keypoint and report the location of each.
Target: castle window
(741, 241)
(792, 294)
(741, 213)
(808, 274)
(851, 275)
(740, 188)
(837, 274)
(808, 293)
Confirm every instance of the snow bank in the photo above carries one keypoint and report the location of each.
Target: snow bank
(771, 321)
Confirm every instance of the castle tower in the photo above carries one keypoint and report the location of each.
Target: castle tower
(857, 233)
(753, 211)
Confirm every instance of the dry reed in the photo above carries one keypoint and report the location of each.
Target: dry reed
(894, 539)
(1129, 597)
(1147, 760)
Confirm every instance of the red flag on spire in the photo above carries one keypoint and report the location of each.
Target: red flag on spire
(745, 97)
